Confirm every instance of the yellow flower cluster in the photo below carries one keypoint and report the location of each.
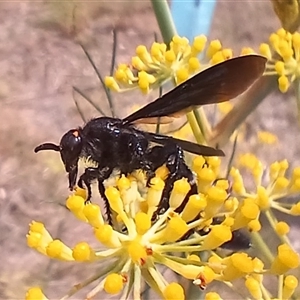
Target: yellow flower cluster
(268, 195)
(135, 245)
(283, 53)
(150, 68)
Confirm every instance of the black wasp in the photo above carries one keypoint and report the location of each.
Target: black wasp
(117, 144)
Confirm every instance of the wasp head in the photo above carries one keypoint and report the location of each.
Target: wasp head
(70, 147)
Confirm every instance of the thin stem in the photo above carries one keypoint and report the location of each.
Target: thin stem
(280, 286)
(273, 220)
(106, 90)
(195, 128)
(78, 107)
(164, 19)
(82, 94)
(297, 91)
(202, 122)
(263, 247)
(114, 53)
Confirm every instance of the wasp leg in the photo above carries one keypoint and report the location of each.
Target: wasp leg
(172, 155)
(100, 174)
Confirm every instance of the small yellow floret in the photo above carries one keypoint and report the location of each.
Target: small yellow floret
(180, 189)
(195, 204)
(265, 50)
(289, 286)
(282, 228)
(238, 265)
(199, 162)
(254, 226)
(35, 293)
(57, 249)
(106, 235)
(170, 56)
(218, 235)
(253, 287)
(283, 83)
(111, 83)
(137, 252)
(295, 210)
(212, 296)
(176, 228)
(194, 64)
(267, 137)
(213, 48)
(142, 222)
(182, 75)
(80, 192)
(93, 214)
(286, 259)
(247, 51)
(76, 204)
(199, 43)
(113, 283)
(114, 199)
(83, 252)
(173, 291)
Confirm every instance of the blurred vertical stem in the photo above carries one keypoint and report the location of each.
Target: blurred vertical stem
(168, 30)
(297, 92)
(164, 19)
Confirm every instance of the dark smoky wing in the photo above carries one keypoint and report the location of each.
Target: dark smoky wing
(216, 84)
(185, 145)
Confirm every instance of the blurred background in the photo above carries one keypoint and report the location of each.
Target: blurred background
(40, 61)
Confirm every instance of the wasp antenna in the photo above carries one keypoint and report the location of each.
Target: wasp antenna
(47, 146)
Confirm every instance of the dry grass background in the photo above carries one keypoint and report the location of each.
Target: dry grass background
(39, 63)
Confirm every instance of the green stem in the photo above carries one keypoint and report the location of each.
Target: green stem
(297, 91)
(273, 221)
(195, 128)
(262, 246)
(164, 20)
(202, 122)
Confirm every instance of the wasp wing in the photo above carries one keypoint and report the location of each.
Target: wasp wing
(218, 83)
(185, 145)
